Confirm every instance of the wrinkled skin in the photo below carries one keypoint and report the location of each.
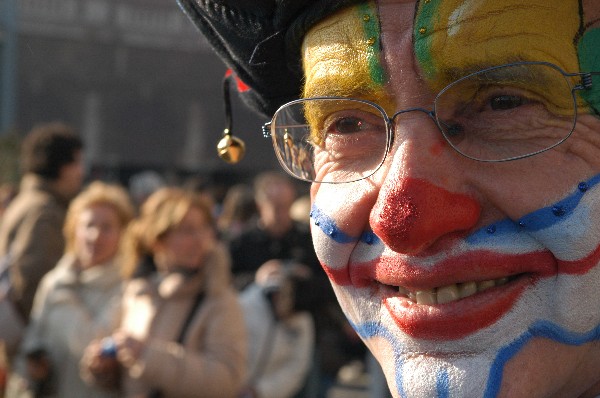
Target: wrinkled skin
(430, 218)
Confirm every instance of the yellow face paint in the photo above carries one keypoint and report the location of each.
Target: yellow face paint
(455, 37)
(341, 55)
(342, 58)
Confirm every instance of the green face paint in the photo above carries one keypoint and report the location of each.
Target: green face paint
(589, 60)
(368, 13)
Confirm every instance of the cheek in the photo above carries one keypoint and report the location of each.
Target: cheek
(346, 207)
(185, 246)
(111, 241)
(339, 218)
(84, 237)
(80, 244)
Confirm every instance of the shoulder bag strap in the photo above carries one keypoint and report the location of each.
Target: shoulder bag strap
(155, 392)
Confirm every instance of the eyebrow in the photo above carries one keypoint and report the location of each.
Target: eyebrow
(333, 85)
(460, 72)
(359, 93)
(521, 73)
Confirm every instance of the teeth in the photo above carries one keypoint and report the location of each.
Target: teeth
(447, 294)
(467, 289)
(485, 285)
(426, 297)
(501, 281)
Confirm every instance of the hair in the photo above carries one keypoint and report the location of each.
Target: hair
(97, 193)
(238, 206)
(49, 147)
(159, 214)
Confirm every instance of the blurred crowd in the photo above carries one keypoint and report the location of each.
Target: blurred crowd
(153, 289)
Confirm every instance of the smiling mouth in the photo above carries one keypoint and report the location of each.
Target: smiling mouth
(450, 293)
(457, 297)
(455, 310)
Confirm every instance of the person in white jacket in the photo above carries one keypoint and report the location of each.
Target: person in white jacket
(281, 332)
(77, 301)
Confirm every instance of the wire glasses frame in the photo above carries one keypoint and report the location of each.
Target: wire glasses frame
(497, 114)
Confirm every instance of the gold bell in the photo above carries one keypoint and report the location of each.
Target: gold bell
(231, 149)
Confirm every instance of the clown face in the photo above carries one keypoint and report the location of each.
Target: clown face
(465, 279)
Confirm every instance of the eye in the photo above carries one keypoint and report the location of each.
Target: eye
(354, 122)
(454, 130)
(348, 125)
(506, 102)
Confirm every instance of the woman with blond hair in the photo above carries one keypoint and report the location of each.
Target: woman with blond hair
(182, 332)
(79, 299)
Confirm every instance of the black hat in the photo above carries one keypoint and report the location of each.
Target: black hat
(260, 40)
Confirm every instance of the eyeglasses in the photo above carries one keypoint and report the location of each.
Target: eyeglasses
(497, 114)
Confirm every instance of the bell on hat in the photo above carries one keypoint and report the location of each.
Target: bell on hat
(231, 149)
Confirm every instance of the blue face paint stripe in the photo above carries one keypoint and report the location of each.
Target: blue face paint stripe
(504, 355)
(443, 384)
(541, 328)
(551, 215)
(369, 330)
(329, 228)
(537, 220)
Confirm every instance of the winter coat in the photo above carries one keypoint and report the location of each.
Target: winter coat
(31, 229)
(71, 309)
(211, 362)
(281, 351)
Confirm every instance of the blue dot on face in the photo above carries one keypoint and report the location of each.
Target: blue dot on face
(558, 211)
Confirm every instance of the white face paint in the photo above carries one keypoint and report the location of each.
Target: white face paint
(519, 241)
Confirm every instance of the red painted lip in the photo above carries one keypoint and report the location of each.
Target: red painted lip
(460, 318)
(457, 319)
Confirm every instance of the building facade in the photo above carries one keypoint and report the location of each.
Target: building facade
(133, 76)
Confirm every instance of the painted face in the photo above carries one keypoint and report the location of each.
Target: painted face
(97, 235)
(464, 278)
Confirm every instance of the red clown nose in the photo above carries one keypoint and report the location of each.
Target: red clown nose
(411, 215)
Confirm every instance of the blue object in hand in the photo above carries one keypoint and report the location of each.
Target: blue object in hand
(109, 348)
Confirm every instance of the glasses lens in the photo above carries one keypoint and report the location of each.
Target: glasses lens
(330, 140)
(507, 112)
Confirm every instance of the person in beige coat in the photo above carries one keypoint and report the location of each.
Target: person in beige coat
(182, 333)
(78, 300)
(31, 227)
